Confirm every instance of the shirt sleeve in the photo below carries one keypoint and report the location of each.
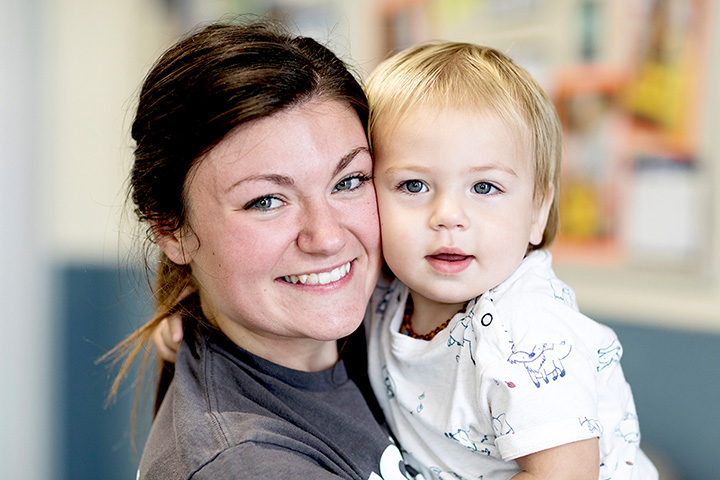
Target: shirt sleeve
(541, 389)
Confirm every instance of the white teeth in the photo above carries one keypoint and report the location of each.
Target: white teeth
(322, 278)
(336, 274)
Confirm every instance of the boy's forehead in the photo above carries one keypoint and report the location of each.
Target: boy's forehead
(438, 135)
(387, 124)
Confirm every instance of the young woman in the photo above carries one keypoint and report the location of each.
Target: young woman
(253, 174)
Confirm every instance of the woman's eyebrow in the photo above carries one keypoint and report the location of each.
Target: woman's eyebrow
(286, 181)
(281, 180)
(347, 158)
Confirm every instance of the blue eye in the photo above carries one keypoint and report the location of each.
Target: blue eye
(413, 186)
(351, 183)
(484, 188)
(264, 203)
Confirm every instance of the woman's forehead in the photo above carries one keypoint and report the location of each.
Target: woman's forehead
(316, 135)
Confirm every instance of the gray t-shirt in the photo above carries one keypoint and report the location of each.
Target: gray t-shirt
(229, 415)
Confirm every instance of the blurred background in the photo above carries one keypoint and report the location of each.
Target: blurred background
(632, 80)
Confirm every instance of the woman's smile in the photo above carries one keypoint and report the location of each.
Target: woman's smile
(321, 278)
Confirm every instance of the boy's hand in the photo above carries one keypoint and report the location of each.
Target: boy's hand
(577, 460)
(167, 337)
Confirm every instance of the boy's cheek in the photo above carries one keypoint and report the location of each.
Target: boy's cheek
(384, 199)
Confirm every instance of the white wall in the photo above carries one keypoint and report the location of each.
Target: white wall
(97, 55)
(68, 72)
(25, 355)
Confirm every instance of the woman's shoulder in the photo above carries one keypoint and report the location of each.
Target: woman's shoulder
(227, 409)
(213, 408)
(185, 445)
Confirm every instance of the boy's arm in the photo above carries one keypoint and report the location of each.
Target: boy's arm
(576, 460)
(168, 336)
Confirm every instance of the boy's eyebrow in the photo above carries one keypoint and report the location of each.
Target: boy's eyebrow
(285, 181)
(407, 167)
(503, 168)
(420, 169)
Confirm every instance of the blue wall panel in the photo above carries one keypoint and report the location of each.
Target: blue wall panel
(98, 307)
(675, 377)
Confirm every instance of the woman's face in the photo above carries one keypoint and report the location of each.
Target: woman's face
(283, 235)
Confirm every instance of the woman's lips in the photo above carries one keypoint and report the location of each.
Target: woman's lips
(449, 263)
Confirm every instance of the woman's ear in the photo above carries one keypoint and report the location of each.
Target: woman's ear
(173, 244)
(540, 216)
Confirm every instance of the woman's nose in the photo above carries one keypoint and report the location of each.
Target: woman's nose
(322, 231)
(448, 213)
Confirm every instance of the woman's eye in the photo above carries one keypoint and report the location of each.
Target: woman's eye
(413, 186)
(264, 203)
(484, 188)
(350, 183)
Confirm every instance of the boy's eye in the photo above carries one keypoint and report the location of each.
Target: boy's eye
(413, 186)
(264, 203)
(484, 188)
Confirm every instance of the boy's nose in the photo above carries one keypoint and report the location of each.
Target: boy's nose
(448, 213)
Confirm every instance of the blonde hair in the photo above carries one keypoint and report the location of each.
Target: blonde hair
(465, 76)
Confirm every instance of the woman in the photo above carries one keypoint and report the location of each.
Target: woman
(253, 173)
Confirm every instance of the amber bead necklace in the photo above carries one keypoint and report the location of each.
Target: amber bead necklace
(406, 326)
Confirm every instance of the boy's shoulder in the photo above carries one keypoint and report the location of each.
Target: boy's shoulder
(534, 279)
(535, 301)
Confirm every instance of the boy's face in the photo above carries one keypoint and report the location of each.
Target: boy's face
(455, 196)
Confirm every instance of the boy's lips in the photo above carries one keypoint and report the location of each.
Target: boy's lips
(449, 263)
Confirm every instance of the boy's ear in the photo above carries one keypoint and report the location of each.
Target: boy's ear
(540, 216)
(172, 244)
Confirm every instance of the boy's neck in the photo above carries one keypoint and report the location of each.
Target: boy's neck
(429, 315)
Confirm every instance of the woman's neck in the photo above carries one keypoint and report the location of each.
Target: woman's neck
(304, 354)
(298, 353)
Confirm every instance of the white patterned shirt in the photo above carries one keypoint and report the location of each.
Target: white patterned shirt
(519, 371)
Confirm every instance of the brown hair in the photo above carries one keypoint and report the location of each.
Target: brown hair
(202, 88)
